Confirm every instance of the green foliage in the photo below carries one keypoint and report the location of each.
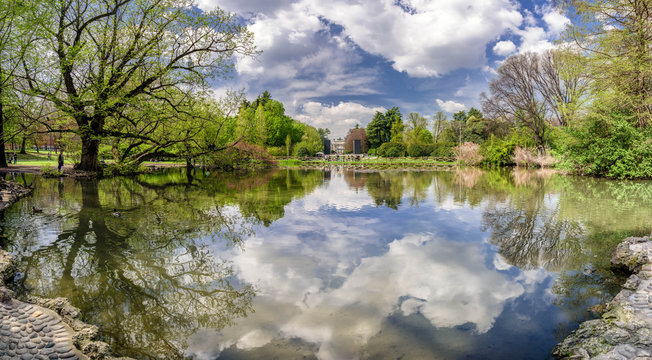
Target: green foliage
(277, 124)
(379, 130)
(117, 169)
(242, 156)
(48, 171)
(301, 151)
(498, 152)
(442, 149)
(610, 146)
(277, 150)
(460, 116)
(392, 149)
(420, 149)
(311, 141)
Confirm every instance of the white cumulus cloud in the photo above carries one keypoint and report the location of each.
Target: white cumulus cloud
(504, 48)
(434, 38)
(447, 282)
(338, 118)
(450, 106)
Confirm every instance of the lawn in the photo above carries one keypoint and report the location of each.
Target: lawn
(371, 162)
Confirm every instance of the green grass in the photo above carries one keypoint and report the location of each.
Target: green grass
(371, 162)
(45, 162)
(32, 158)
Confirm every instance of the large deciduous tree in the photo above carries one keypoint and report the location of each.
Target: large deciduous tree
(563, 82)
(352, 136)
(15, 37)
(514, 95)
(616, 37)
(110, 64)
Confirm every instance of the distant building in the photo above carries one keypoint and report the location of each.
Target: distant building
(337, 146)
(327, 147)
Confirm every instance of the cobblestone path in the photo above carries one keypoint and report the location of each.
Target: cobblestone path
(32, 332)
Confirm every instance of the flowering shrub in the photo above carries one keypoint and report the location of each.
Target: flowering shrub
(468, 153)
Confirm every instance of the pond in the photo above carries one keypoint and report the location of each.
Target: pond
(327, 264)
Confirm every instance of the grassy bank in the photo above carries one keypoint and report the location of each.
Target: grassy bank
(373, 163)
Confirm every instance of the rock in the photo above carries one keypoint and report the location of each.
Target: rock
(632, 254)
(7, 269)
(5, 295)
(625, 330)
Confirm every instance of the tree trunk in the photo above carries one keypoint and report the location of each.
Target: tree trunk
(3, 155)
(89, 152)
(22, 146)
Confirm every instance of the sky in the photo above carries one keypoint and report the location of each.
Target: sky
(334, 63)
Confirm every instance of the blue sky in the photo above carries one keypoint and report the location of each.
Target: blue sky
(335, 63)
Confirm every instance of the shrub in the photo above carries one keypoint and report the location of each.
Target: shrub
(277, 150)
(609, 145)
(117, 169)
(301, 151)
(498, 152)
(242, 156)
(523, 156)
(468, 153)
(391, 149)
(544, 160)
(441, 150)
(47, 172)
(420, 150)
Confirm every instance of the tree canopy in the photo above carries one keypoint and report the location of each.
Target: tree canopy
(129, 69)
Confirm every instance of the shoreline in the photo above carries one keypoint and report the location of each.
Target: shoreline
(41, 326)
(69, 171)
(624, 331)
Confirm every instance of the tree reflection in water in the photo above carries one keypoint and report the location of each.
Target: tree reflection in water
(150, 278)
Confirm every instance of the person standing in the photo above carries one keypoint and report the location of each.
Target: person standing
(60, 160)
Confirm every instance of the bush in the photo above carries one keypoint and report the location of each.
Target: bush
(544, 161)
(117, 169)
(468, 153)
(48, 172)
(301, 151)
(420, 150)
(277, 150)
(242, 156)
(523, 156)
(498, 152)
(609, 146)
(441, 150)
(391, 149)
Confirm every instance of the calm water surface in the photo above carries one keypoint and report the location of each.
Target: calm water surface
(333, 264)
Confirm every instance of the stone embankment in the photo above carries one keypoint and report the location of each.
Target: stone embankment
(624, 331)
(39, 328)
(10, 192)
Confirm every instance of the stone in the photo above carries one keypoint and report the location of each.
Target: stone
(625, 330)
(5, 294)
